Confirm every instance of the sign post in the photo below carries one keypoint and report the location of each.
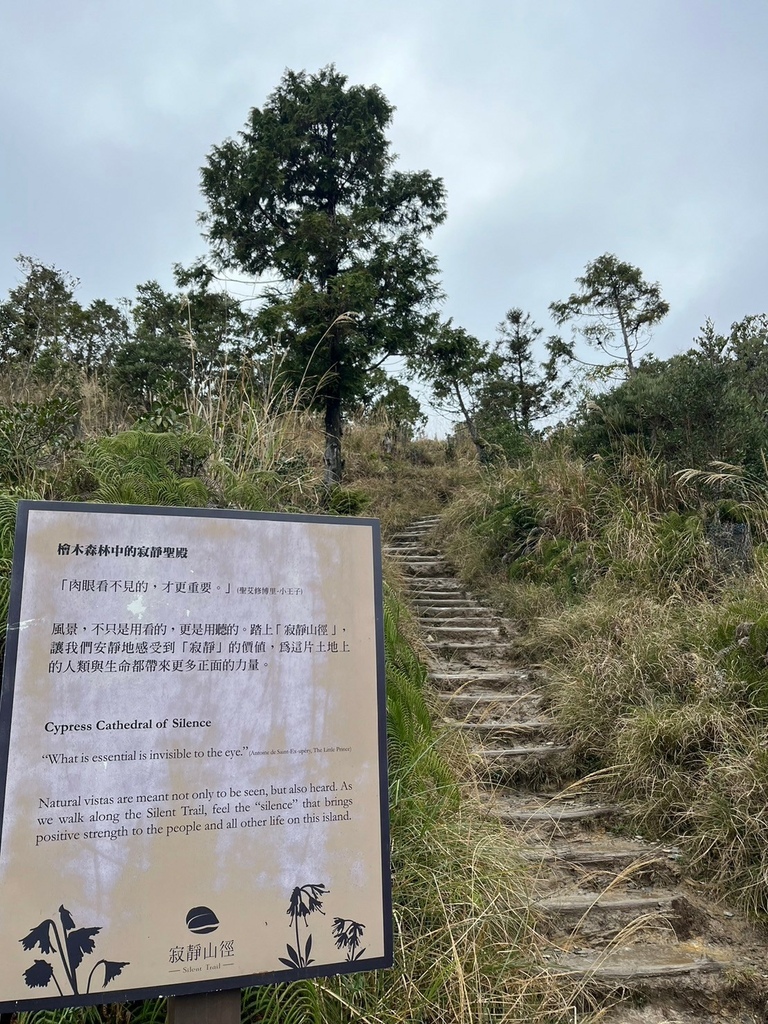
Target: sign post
(207, 1008)
(192, 756)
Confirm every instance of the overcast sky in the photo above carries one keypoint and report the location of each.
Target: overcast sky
(563, 129)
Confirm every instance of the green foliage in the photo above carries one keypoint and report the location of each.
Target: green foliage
(34, 435)
(43, 329)
(7, 527)
(587, 524)
(36, 317)
(347, 501)
(522, 390)
(395, 405)
(729, 820)
(706, 405)
(142, 468)
(499, 391)
(687, 410)
(180, 341)
(509, 530)
(665, 751)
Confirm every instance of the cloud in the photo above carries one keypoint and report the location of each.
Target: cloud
(562, 131)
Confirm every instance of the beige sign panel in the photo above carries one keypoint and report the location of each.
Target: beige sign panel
(192, 753)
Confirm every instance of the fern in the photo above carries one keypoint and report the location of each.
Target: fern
(138, 468)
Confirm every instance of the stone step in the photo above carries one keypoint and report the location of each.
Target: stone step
(502, 644)
(416, 556)
(488, 702)
(526, 704)
(423, 569)
(480, 691)
(421, 558)
(401, 550)
(420, 526)
(428, 624)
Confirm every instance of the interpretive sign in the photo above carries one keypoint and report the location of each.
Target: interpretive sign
(192, 753)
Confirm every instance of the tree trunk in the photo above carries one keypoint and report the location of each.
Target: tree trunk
(333, 461)
(477, 441)
(624, 332)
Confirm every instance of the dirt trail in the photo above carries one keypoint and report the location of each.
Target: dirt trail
(618, 918)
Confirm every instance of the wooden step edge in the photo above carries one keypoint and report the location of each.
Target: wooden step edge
(442, 644)
(499, 697)
(627, 968)
(444, 623)
(450, 580)
(468, 674)
(517, 752)
(434, 628)
(529, 725)
(554, 815)
(583, 903)
(589, 857)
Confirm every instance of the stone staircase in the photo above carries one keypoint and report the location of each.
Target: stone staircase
(614, 913)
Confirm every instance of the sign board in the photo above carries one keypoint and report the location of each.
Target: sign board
(192, 753)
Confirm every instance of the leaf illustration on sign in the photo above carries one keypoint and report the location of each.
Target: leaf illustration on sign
(70, 944)
(305, 900)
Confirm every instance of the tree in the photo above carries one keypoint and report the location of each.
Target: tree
(614, 309)
(689, 410)
(43, 326)
(36, 317)
(457, 366)
(308, 193)
(180, 340)
(748, 348)
(530, 390)
(98, 331)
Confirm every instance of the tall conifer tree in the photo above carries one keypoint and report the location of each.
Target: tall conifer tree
(308, 194)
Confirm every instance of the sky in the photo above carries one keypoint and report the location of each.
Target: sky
(563, 129)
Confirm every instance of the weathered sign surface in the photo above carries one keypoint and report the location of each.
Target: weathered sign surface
(192, 753)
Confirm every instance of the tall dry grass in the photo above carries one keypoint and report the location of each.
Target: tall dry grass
(656, 646)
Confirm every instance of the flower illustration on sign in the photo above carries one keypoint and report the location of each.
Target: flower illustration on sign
(305, 900)
(348, 935)
(70, 944)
